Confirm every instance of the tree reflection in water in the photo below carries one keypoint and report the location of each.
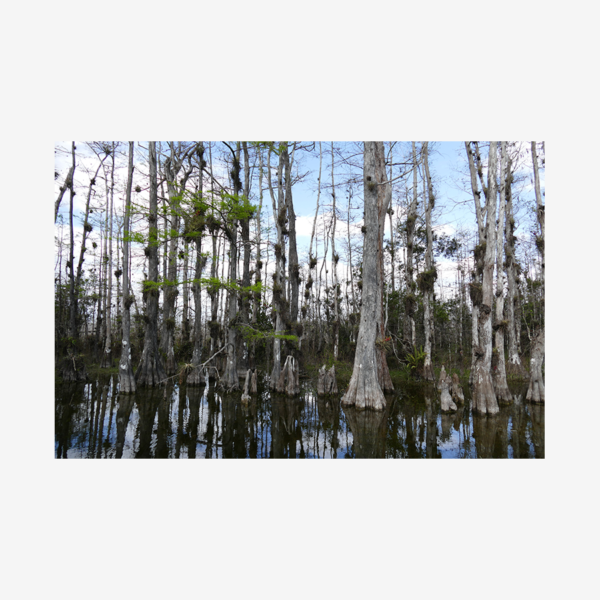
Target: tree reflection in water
(201, 422)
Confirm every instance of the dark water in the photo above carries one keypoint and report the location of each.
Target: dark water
(179, 422)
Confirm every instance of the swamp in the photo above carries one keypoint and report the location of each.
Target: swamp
(92, 421)
(298, 299)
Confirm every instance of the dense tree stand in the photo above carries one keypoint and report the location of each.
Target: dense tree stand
(364, 390)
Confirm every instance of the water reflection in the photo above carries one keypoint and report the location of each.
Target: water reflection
(94, 421)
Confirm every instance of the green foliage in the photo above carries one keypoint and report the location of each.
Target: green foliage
(416, 359)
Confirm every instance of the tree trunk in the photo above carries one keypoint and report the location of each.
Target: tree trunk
(150, 371)
(126, 378)
(500, 385)
(514, 366)
(536, 391)
(384, 200)
(364, 390)
(334, 259)
(484, 397)
(428, 277)
(246, 283)
(294, 268)
(107, 356)
(230, 377)
(279, 300)
(73, 368)
(475, 286)
(410, 301)
(68, 184)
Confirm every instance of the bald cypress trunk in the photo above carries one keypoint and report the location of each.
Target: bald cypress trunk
(484, 396)
(294, 267)
(126, 378)
(475, 285)
(514, 366)
(364, 390)
(384, 200)
(427, 278)
(536, 391)
(335, 259)
(499, 376)
(150, 371)
(107, 356)
(279, 291)
(73, 368)
(410, 301)
(230, 378)
(196, 377)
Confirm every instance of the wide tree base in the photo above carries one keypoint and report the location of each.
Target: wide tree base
(364, 391)
(484, 396)
(150, 372)
(196, 377)
(503, 394)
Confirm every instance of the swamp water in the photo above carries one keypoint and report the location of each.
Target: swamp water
(91, 421)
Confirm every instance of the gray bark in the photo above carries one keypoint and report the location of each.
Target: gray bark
(536, 391)
(196, 376)
(289, 378)
(334, 260)
(150, 371)
(429, 276)
(279, 288)
(126, 377)
(457, 392)
(107, 356)
(445, 398)
(364, 390)
(230, 377)
(384, 201)
(67, 185)
(500, 384)
(327, 383)
(514, 366)
(411, 287)
(484, 397)
(294, 267)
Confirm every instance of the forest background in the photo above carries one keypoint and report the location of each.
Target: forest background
(510, 82)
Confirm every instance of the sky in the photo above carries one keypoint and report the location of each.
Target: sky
(448, 166)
